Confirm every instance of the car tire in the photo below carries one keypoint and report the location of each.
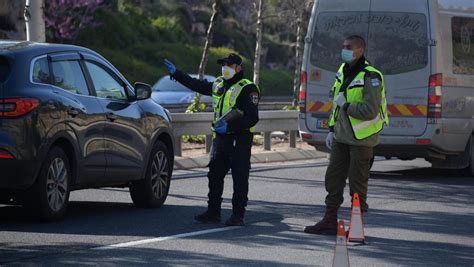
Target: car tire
(49, 196)
(152, 191)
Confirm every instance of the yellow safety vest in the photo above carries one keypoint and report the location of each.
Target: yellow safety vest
(224, 102)
(355, 93)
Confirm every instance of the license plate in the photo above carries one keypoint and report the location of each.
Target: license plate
(322, 124)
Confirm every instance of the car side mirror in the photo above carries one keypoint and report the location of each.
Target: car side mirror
(142, 91)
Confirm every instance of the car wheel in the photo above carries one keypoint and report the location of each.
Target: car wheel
(152, 191)
(49, 195)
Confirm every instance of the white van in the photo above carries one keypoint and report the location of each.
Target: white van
(425, 49)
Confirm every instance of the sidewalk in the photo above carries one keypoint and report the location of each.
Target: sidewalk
(194, 155)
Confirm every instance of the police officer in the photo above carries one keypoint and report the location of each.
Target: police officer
(232, 143)
(358, 115)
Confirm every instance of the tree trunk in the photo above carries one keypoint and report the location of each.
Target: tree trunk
(298, 59)
(34, 18)
(258, 46)
(13, 22)
(210, 32)
(196, 105)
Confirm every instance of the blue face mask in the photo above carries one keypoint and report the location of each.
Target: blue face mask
(347, 55)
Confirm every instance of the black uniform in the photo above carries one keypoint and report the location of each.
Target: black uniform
(231, 150)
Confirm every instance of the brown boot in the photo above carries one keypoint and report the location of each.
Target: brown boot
(327, 226)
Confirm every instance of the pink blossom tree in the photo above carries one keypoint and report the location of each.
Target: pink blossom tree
(65, 18)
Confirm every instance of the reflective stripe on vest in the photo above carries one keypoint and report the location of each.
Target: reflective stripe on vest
(229, 99)
(354, 94)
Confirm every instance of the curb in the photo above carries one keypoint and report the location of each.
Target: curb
(184, 163)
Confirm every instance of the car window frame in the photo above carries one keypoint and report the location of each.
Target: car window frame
(32, 65)
(60, 56)
(112, 74)
(89, 55)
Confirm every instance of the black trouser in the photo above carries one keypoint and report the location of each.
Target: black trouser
(230, 151)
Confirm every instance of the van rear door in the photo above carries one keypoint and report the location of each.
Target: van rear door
(399, 46)
(333, 21)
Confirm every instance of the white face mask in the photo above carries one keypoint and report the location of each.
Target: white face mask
(227, 72)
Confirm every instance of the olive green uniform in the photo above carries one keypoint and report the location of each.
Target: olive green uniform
(351, 155)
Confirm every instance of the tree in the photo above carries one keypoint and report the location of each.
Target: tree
(258, 45)
(12, 22)
(65, 18)
(197, 105)
(299, 13)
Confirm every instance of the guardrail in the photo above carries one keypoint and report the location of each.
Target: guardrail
(200, 123)
(179, 108)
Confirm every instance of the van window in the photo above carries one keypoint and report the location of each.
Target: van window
(41, 71)
(69, 76)
(4, 69)
(463, 45)
(397, 42)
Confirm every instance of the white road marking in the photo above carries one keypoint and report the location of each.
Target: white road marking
(165, 238)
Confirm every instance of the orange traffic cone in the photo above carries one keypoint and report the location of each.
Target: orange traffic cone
(341, 256)
(356, 226)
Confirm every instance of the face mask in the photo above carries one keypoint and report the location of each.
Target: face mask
(347, 55)
(227, 72)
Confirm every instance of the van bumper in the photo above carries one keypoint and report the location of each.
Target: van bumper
(403, 147)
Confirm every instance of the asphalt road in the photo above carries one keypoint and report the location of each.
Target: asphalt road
(418, 216)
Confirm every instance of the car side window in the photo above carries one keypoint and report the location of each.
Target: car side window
(105, 84)
(69, 76)
(41, 71)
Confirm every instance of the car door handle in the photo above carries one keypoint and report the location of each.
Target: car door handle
(111, 116)
(72, 111)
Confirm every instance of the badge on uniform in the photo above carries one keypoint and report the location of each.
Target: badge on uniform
(375, 82)
(254, 97)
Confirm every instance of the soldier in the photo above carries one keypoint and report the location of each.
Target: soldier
(235, 102)
(359, 113)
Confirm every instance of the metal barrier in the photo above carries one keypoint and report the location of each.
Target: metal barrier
(200, 123)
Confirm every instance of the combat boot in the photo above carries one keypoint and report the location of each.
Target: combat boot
(208, 217)
(327, 226)
(235, 220)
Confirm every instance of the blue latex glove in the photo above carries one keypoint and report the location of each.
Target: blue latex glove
(171, 67)
(221, 128)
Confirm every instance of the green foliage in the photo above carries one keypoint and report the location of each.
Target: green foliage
(200, 139)
(289, 107)
(196, 105)
(277, 82)
(137, 45)
(170, 29)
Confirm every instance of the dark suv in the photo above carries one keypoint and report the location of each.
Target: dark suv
(69, 120)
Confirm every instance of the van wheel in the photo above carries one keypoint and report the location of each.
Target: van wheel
(152, 191)
(49, 196)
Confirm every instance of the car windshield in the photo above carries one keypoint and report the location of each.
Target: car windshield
(168, 85)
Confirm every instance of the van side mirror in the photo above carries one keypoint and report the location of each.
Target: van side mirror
(142, 91)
